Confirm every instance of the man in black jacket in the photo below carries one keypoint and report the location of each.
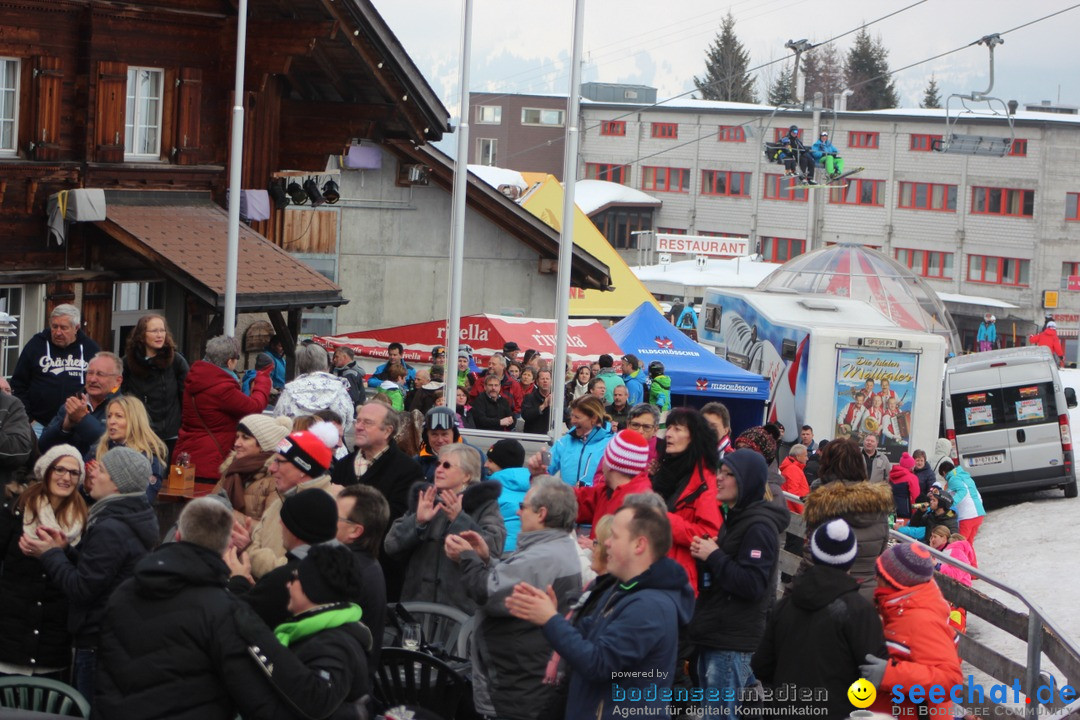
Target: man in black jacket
(52, 366)
(492, 411)
(169, 643)
(363, 517)
(821, 631)
(729, 619)
(378, 462)
(536, 407)
(16, 436)
(120, 530)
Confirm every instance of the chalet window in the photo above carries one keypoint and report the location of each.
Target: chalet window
(541, 116)
(9, 106)
(731, 133)
(1018, 148)
(616, 128)
(489, 115)
(927, 196)
(998, 270)
(611, 172)
(923, 143)
(668, 131)
(1068, 270)
(927, 263)
(781, 187)
(859, 139)
(725, 182)
(1002, 201)
(779, 250)
(665, 179)
(142, 116)
(485, 150)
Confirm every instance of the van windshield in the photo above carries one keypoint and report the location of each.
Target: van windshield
(1000, 409)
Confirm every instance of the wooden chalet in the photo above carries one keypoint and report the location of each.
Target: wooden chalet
(135, 98)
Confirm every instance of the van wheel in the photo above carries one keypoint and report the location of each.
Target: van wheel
(1070, 490)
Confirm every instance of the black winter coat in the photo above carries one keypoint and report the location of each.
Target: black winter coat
(487, 413)
(114, 540)
(392, 475)
(161, 390)
(46, 375)
(817, 636)
(738, 584)
(536, 421)
(33, 624)
(16, 440)
(169, 640)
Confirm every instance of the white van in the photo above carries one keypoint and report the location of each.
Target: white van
(1006, 414)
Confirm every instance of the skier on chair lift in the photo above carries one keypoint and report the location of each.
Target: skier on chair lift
(825, 152)
(800, 154)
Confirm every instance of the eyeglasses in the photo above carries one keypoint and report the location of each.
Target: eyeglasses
(347, 521)
(446, 465)
(99, 373)
(367, 422)
(642, 426)
(66, 471)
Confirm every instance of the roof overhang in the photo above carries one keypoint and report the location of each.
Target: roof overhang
(184, 236)
(586, 271)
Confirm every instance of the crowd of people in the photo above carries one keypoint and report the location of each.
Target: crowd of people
(640, 553)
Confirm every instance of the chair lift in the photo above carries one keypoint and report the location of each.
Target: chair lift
(958, 106)
(770, 148)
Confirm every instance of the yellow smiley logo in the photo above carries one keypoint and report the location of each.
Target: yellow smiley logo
(862, 693)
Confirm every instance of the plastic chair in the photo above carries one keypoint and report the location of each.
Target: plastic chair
(440, 624)
(409, 677)
(42, 695)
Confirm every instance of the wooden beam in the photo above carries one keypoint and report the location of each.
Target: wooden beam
(343, 87)
(288, 340)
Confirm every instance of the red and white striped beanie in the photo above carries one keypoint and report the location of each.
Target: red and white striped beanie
(628, 453)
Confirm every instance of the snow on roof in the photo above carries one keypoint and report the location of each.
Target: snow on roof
(974, 300)
(744, 273)
(805, 308)
(497, 176)
(591, 195)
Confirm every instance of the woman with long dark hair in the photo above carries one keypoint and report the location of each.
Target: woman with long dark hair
(34, 638)
(154, 372)
(686, 479)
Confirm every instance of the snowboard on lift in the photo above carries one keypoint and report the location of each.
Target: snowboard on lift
(837, 182)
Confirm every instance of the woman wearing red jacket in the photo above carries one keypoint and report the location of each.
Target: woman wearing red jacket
(686, 479)
(214, 405)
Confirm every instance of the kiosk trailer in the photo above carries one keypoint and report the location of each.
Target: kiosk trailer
(834, 363)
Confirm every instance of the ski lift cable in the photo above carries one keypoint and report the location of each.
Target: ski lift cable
(884, 75)
(634, 109)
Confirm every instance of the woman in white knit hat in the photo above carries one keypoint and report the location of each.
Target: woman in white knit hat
(34, 639)
(245, 474)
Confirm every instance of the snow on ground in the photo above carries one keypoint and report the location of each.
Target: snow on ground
(743, 273)
(1031, 541)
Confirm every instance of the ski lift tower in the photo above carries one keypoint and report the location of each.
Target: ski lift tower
(959, 106)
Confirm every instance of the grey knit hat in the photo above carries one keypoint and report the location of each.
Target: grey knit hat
(53, 454)
(129, 470)
(268, 431)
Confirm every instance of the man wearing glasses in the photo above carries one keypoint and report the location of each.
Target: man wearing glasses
(81, 419)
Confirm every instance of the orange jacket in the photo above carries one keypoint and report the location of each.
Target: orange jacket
(922, 646)
(1049, 338)
(794, 482)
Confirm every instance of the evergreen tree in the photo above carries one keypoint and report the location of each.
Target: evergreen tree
(824, 73)
(931, 96)
(781, 90)
(866, 73)
(726, 65)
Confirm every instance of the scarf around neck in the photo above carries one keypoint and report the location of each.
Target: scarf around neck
(45, 516)
(293, 631)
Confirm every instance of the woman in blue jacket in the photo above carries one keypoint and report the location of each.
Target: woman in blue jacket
(576, 456)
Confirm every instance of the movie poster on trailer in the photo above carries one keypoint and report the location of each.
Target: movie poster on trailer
(875, 394)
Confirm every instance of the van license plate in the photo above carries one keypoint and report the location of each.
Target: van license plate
(980, 460)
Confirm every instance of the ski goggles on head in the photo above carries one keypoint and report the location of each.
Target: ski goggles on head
(440, 421)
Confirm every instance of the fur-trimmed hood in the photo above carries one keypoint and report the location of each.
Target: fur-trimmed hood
(859, 503)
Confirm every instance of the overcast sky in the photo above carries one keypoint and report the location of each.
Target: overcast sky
(523, 47)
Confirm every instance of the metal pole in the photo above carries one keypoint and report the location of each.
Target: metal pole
(236, 158)
(461, 175)
(815, 204)
(566, 237)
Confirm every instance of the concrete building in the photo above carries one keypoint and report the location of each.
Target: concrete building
(524, 132)
(1004, 228)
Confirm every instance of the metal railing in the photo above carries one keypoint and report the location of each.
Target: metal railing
(1042, 634)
